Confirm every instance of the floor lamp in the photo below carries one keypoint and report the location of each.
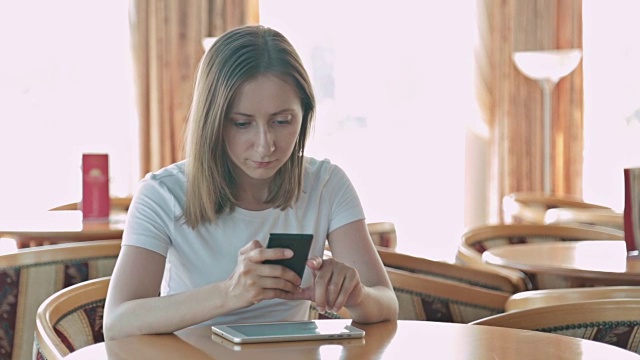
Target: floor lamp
(547, 67)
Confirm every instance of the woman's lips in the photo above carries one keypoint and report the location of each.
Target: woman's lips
(263, 164)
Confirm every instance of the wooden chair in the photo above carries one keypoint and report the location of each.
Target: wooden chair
(530, 207)
(120, 204)
(428, 298)
(448, 271)
(70, 319)
(30, 275)
(615, 322)
(585, 217)
(476, 240)
(383, 234)
(537, 298)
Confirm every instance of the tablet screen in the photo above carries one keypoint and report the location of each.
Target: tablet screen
(278, 329)
(289, 331)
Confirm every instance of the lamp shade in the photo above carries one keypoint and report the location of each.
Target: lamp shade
(547, 64)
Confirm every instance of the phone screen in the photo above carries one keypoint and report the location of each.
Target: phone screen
(300, 244)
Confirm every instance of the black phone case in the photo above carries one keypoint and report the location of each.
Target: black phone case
(300, 244)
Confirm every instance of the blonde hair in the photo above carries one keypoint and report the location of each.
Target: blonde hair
(238, 56)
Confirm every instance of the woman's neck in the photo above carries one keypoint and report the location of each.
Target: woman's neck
(252, 195)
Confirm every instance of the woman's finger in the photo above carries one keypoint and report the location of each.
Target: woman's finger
(252, 245)
(349, 287)
(315, 263)
(321, 281)
(334, 288)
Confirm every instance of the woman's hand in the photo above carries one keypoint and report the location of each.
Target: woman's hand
(335, 285)
(252, 281)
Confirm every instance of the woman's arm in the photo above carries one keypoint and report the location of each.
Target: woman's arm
(134, 307)
(133, 304)
(355, 277)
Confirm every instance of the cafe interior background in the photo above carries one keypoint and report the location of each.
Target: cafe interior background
(418, 101)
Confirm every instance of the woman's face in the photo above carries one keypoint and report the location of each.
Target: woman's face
(262, 127)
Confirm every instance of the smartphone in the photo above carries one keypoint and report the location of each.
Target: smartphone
(300, 244)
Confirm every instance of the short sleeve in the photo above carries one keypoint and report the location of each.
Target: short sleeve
(150, 218)
(345, 203)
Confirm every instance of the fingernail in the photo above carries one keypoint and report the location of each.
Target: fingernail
(321, 310)
(288, 253)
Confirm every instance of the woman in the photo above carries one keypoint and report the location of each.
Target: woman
(196, 230)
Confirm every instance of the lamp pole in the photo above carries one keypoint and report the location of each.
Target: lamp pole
(547, 86)
(547, 67)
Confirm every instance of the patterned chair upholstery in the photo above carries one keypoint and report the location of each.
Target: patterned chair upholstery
(614, 322)
(477, 240)
(70, 319)
(315, 315)
(31, 275)
(448, 271)
(427, 298)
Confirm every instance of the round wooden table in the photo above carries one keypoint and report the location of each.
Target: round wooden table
(570, 263)
(50, 227)
(387, 340)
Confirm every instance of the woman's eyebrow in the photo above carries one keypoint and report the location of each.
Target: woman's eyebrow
(273, 114)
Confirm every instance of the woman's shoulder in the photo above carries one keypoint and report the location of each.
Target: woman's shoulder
(321, 170)
(314, 166)
(167, 173)
(171, 177)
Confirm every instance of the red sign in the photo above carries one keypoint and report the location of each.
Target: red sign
(95, 187)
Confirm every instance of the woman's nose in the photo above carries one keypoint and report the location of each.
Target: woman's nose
(265, 144)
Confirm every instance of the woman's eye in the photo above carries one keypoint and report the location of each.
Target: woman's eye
(282, 121)
(241, 124)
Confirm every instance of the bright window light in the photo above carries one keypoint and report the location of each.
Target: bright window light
(394, 87)
(65, 88)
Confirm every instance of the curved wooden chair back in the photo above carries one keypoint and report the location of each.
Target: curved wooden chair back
(530, 207)
(30, 275)
(537, 298)
(448, 271)
(117, 203)
(615, 322)
(477, 240)
(585, 217)
(484, 237)
(71, 319)
(427, 298)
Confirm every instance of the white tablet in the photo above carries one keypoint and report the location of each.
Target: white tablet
(289, 331)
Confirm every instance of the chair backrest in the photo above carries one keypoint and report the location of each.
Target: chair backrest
(427, 298)
(30, 275)
(537, 298)
(530, 207)
(478, 239)
(383, 234)
(615, 322)
(585, 217)
(71, 319)
(448, 271)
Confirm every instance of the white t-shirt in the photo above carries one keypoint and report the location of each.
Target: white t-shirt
(209, 253)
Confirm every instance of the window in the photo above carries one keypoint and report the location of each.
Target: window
(65, 88)
(394, 85)
(611, 96)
